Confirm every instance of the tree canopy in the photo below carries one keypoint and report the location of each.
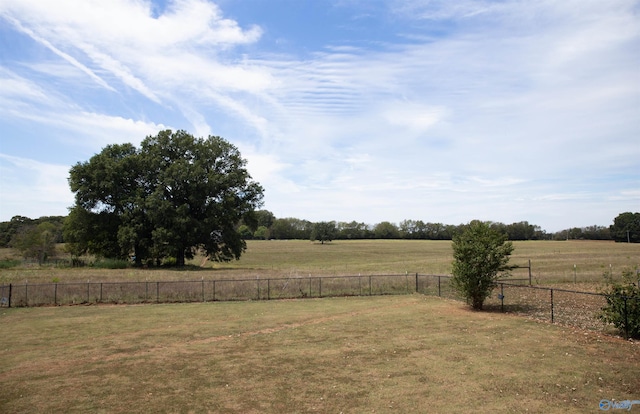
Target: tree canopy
(626, 228)
(174, 195)
(480, 254)
(324, 231)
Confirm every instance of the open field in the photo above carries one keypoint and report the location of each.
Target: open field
(552, 262)
(402, 354)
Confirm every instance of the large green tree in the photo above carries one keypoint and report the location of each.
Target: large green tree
(626, 228)
(173, 196)
(480, 255)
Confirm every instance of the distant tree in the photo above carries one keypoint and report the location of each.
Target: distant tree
(521, 231)
(437, 231)
(626, 228)
(291, 228)
(481, 255)
(8, 229)
(175, 195)
(264, 218)
(352, 230)
(57, 222)
(261, 233)
(282, 229)
(324, 231)
(386, 230)
(596, 233)
(36, 242)
(245, 232)
(413, 229)
(258, 218)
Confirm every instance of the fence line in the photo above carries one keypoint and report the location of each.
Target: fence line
(564, 306)
(203, 290)
(557, 305)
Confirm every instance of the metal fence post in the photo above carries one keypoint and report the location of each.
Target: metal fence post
(416, 283)
(626, 319)
(9, 300)
(214, 290)
(502, 297)
(320, 286)
(439, 286)
(203, 288)
(100, 292)
(551, 305)
(26, 294)
(369, 285)
(55, 293)
(87, 291)
(529, 272)
(157, 291)
(268, 289)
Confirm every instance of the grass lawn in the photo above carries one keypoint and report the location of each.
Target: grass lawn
(400, 354)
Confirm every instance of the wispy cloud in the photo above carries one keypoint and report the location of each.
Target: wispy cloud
(30, 187)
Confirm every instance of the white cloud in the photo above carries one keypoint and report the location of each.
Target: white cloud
(73, 61)
(32, 188)
(414, 118)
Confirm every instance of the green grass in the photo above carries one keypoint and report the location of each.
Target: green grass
(408, 354)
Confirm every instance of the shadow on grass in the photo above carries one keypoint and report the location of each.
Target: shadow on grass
(510, 308)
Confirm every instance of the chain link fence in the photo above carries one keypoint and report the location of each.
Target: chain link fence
(568, 307)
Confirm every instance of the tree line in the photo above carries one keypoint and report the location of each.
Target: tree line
(36, 237)
(270, 227)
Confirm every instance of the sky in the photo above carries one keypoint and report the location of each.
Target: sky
(433, 110)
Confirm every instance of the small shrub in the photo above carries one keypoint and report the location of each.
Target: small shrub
(169, 262)
(111, 264)
(623, 304)
(9, 263)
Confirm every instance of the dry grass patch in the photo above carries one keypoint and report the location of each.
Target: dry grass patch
(379, 354)
(552, 262)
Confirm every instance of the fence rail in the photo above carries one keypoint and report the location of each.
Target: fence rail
(563, 306)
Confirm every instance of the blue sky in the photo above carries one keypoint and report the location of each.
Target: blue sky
(346, 110)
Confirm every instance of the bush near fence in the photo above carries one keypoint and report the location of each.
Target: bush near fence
(574, 308)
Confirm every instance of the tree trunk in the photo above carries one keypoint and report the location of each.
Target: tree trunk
(180, 258)
(136, 253)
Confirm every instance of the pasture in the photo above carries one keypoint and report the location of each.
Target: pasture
(552, 262)
(405, 354)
